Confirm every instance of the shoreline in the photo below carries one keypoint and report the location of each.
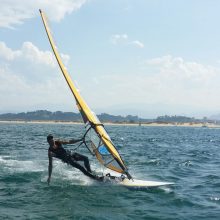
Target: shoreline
(149, 124)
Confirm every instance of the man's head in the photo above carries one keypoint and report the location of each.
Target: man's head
(50, 138)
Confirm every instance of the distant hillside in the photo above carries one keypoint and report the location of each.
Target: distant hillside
(175, 118)
(182, 119)
(44, 115)
(215, 117)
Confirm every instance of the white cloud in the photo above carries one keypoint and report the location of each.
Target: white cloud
(175, 68)
(164, 81)
(30, 78)
(27, 63)
(122, 39)
(7, 53)
(15, 12)
(137, 44)
(30, 53)
(119, 38)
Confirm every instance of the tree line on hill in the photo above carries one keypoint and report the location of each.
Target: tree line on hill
(44, 115)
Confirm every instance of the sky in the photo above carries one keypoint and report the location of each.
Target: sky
(144, 57)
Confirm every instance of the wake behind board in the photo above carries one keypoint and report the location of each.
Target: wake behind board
(123, 181)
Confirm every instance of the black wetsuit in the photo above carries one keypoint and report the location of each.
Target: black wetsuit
(72, 158)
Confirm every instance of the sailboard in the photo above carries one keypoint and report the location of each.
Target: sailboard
(136, 183)
(100, 143)
(143, 183)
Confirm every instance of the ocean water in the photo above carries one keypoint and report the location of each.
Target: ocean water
(190, 157)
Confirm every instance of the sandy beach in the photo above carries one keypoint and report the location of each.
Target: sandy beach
(155, 124)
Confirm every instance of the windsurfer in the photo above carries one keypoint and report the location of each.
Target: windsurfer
(56, 150)
(111, 158)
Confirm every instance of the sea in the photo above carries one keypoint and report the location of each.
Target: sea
(187, 156)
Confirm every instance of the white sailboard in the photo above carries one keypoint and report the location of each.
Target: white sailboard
(143, 183)
(136, 183)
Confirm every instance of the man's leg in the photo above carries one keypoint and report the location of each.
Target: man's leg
(82, 169)
(80, 157)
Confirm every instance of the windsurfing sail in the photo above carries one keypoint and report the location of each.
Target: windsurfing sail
(100, 143)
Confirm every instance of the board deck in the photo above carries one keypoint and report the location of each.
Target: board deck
(143, 183)
(135, 182)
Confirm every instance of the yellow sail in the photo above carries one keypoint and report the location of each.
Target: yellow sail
(101, 144)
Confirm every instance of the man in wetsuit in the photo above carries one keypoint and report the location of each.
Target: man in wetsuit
(56, 150)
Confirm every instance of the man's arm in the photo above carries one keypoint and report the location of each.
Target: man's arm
(72, 141)
(50, 166)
